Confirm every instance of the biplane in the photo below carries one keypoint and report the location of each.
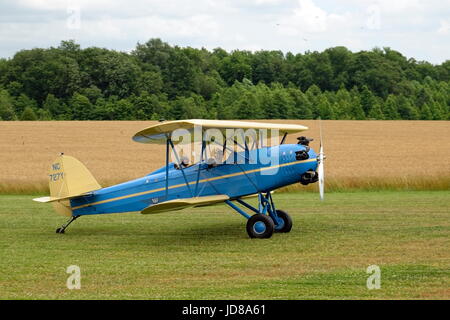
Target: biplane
(233, 162)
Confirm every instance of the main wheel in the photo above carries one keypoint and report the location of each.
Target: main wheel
(286, 225)
(60, 230)
(260, 226)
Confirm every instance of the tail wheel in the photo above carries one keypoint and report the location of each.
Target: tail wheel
(286, 225)
(260, 226)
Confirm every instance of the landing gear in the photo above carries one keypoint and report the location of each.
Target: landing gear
(260, 226)
(267, 219)
(285, 224)
(62, 229)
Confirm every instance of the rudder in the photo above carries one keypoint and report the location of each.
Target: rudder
(68, 177)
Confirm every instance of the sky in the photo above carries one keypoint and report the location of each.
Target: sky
(419, 29)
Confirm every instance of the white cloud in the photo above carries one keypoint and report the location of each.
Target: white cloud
(444, 27)
(399, 6)
(409, 26)
(307, 17)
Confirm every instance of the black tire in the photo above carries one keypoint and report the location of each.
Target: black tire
(287, 222)
(260, 226)
(60, 230)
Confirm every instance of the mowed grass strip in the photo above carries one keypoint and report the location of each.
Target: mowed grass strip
(204, 253)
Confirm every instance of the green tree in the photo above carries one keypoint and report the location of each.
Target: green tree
(92, 93)
(368, 99)
(321, 69)
(268, 67)
(425, 112)
(28, 114)
(179, 75)
(81, 107)
(313, 94)
(146, 105)
(298, 71)
(114, 108)
(56, 108)
(118, 74)
(390, 108)
(15, 88)
(21, 102)
(150, 82)
(282, 103)
(188, 108)
(302, 107)
(247, 107)
(194, 107)
(4, 64)
(69, 46)
(236, 67)
(209, 84)
(356, 109)
(340, 59)
(154, 52)
(406, 109)
(326, 111)
(124, 110)
(43, 115)
(374, 70)
(6, 106)
(375, 112)
(41, 72)
(437, 110)
(156, 78)
(342, 104)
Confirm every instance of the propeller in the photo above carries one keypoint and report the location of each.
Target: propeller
(320, 168)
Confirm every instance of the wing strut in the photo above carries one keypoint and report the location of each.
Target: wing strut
(180, 166)
(199, 167)
(169, 143)
(284, 139)
(167, 167)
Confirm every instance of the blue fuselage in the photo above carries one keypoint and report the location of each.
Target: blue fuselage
(233, 180)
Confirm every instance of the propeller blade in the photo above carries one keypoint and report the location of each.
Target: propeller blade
(321, 173)
(320, 169)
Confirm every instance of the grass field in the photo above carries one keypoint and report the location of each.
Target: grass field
(370, 155)
(374, 215)
(205, 253)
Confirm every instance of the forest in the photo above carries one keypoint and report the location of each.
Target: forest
(159, 81)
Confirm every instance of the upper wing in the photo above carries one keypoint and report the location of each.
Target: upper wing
(159, 132)
(179, 204)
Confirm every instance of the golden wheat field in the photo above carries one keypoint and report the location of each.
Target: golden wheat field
(360, 154)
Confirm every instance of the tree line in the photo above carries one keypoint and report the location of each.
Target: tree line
(159, 81)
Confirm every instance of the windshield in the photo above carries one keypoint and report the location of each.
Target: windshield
(219, 147)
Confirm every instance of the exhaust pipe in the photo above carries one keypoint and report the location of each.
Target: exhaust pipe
(309, 177)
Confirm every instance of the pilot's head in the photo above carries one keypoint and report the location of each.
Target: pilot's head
(184, 161)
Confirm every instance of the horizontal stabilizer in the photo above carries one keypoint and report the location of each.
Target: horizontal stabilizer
(179, 204)
(54, 199)
(44, 199)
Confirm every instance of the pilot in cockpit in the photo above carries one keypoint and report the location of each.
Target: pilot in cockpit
(216, 159)
(184, 163)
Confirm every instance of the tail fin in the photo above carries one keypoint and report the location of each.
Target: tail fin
(69, 178)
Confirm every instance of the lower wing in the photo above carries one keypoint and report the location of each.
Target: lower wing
(179, 204)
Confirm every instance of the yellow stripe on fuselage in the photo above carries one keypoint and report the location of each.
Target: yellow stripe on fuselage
(192, 182)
